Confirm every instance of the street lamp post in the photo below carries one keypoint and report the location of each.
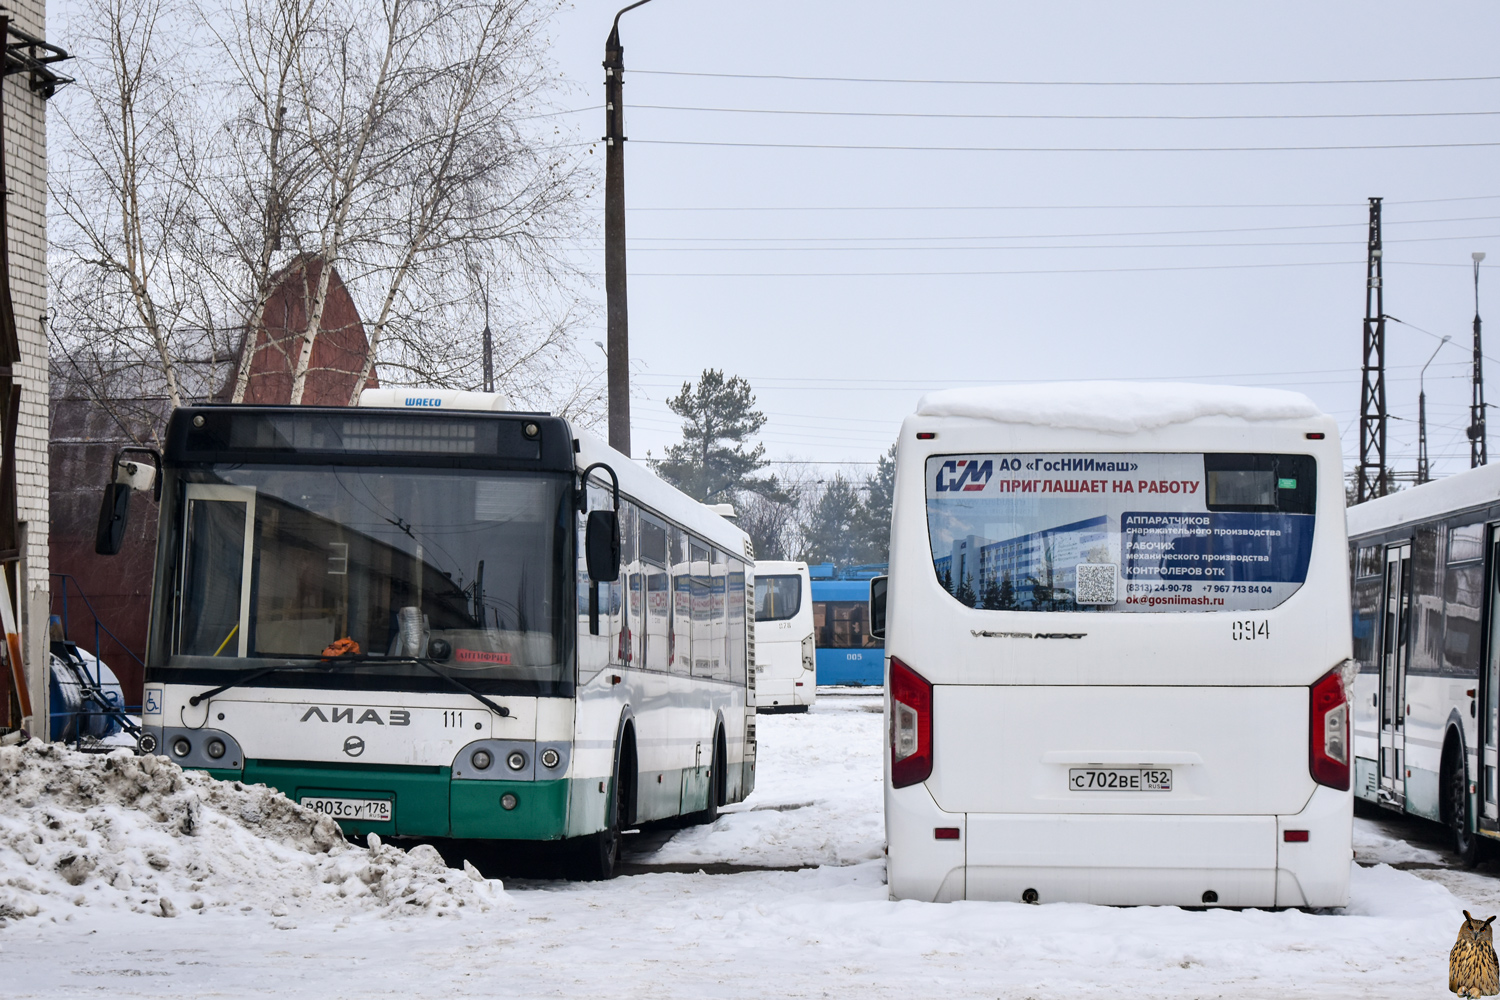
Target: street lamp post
(1423, 471)
(617, 324)
(1478, 447)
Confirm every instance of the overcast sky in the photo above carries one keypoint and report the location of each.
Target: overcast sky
(845, 282)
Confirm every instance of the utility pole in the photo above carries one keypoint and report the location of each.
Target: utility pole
(1478, 446)
(1424, 470)
(616, 314)
(1372, 476)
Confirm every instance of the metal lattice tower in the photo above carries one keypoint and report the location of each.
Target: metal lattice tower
(1372, 477)
(1478, 445)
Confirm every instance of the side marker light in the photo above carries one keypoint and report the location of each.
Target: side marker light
(1294, 836)
(945, 833)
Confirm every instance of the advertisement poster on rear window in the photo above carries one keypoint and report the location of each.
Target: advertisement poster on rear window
(1121, 532)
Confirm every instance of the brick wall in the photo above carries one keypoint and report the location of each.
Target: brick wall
(25, 140)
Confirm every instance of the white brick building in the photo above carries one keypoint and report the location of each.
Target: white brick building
(25, 138)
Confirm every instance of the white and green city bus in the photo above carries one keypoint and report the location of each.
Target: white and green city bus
(436, 622)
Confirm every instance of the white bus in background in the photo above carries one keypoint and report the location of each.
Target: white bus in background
(1118, 648)
(785, 669)
(432, 617)
(1426, 588)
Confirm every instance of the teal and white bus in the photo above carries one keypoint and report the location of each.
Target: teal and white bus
(428, 621)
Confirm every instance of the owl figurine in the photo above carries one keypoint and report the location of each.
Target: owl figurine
(1472, 968)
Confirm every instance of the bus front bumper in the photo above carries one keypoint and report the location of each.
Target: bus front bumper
(425, 801)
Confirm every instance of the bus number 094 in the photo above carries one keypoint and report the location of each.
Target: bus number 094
(1248, 631)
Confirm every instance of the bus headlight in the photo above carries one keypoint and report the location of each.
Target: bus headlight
(516, 761)
(481, 760)
(215, 749)
(507, 802)
(181, 747)
(550, 758)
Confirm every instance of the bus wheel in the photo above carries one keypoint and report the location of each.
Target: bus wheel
(710, 812)
(1456, 791)
(596, 855)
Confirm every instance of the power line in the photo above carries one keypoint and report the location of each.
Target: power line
(1082, 236)
(1023, 117)
(1254, 206)
(1065, 83)
(1025, 246)
(1065, 149)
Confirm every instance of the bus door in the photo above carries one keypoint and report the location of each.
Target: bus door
(1394, 635)
(218, 538)
(1490, 689)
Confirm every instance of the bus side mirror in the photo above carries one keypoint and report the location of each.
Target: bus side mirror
(602, 546)
(877, 606)
(114, 514)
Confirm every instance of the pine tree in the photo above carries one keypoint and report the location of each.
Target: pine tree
(713, 461)
(991, 600)
(874, 524)
(947, 578)
(966, 593)
(1007, 594)
(833, 529)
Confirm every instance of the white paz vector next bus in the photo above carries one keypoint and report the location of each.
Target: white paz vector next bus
(785, 665)
(1118, 648)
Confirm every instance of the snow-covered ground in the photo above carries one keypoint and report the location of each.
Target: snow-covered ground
(826, 931)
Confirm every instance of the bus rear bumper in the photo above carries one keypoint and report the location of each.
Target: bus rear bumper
(1123, 860)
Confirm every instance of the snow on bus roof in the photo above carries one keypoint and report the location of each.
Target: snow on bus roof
(1471, 488)
(1118, 407)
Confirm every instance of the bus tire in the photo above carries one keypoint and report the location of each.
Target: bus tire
(596, 855)
(716, 785)
(1457, 805)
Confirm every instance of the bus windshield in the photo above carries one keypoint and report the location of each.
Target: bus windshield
(378, 565)
(777, 598)
(1121, 532)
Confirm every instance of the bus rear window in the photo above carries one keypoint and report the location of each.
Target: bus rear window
(777, 598)
(1121, 532)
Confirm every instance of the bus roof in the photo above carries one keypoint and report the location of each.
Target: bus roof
(1472, 488)
(1116, 407)
(654, 492)
(841, 590)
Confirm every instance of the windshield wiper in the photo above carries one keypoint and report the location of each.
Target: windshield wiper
(499, 710)
(330, 663)
(246, 678)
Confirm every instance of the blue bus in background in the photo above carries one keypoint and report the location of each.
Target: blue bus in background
(847, 653)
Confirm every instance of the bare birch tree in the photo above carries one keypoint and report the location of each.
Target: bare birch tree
(128, 288)
(395, 142)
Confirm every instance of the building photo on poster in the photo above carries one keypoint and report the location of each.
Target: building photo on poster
(1121, 532)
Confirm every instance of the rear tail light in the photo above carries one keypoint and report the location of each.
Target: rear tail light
(911, 726)
(1328, 738)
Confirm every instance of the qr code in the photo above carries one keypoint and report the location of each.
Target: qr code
(1096, 583)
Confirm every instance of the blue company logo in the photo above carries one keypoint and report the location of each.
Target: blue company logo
(967, 474)
(423, 401)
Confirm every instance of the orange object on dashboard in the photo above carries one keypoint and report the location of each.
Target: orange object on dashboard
(343, 647)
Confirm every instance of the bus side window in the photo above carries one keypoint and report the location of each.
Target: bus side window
(653, 545)
(625, 631)
(680, 652)
(719, 585)
(736, 621)
(703, 654)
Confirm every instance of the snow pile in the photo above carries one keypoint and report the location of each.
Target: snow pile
(1118, 407)
(139, 833)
